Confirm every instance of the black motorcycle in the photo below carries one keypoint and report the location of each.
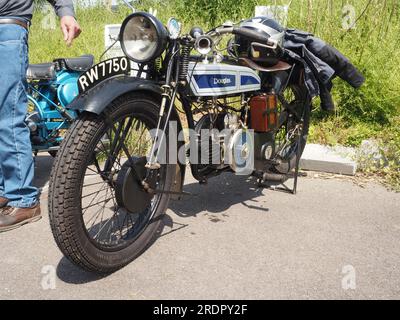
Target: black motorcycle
(246, 109)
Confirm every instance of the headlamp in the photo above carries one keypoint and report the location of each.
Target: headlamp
(143, 37)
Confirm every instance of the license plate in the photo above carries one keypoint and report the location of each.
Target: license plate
(102, 71)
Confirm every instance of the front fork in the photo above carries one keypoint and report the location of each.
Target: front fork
(169, 92)
(176, 73)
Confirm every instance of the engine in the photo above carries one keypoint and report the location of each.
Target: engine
(222, 142)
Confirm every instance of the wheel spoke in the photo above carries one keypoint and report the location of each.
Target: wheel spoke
(292, 111)
(120, 135)
(95, 192)
(122, 142)
(93, 184)
(97, 203)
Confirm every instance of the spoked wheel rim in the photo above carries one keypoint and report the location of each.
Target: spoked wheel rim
(293, 123)
(112, 177)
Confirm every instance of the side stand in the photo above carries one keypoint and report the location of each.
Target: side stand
(296, 171)
(295, 175)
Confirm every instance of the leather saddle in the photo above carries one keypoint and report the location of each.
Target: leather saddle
(47, 71)
(80, 64)
(280, 66)
(41, 71)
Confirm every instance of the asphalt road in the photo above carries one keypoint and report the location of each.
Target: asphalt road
(232, 241)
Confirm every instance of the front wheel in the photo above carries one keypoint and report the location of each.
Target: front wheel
(100, 215)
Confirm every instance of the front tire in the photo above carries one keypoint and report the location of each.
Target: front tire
(84, 175)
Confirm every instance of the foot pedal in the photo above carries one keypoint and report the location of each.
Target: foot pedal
(153, 166)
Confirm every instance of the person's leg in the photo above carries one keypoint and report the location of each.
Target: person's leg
(1, 181)
(16, 152)
(3, 199)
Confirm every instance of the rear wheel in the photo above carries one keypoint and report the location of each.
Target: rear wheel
(100, 214)
(294, 122)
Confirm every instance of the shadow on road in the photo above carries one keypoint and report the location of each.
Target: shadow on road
(43, 164)
(216, 197)
(219, 195)
(69, 273)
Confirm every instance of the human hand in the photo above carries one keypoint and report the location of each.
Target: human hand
(70, 28)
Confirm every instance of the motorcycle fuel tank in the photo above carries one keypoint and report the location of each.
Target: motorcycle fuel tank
(219, 79)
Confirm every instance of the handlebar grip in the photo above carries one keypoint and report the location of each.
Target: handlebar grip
(252, 34)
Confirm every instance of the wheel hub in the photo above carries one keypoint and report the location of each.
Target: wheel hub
(129, 191)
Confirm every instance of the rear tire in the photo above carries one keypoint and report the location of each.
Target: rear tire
(68, 180)
(302, 102)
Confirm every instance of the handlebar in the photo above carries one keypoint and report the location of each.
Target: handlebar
(245, 32)
(252, 34)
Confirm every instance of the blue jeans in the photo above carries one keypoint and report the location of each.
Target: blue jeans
(16, 159)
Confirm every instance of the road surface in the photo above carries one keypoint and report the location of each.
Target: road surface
(231, 240)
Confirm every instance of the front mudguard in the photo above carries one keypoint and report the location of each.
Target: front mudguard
(99, 97)
(96, 99)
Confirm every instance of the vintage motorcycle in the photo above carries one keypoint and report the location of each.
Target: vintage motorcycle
(246, 107)
(51, 87)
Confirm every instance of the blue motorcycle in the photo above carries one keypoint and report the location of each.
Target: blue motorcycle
(51, 88)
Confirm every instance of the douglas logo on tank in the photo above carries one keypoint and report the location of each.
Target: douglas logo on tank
(223, 81)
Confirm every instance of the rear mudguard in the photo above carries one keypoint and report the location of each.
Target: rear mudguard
(95, 100)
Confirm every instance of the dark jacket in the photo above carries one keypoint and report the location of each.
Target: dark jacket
(23, 9)
(322, 63)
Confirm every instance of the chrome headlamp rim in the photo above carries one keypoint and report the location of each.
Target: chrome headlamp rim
(162, 36)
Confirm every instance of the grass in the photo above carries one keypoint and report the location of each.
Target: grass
(48, 44)
(370, 112)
